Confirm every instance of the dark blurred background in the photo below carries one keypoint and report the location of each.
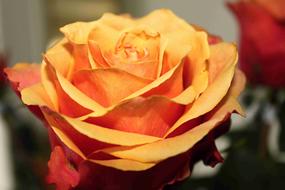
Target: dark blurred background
(252, 151)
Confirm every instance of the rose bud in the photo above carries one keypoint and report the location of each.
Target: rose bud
(262, 38)
(131, 103)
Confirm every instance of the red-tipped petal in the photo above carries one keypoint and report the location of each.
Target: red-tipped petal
(61, 172)
(23, 75)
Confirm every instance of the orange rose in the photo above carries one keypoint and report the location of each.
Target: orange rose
(131, 103)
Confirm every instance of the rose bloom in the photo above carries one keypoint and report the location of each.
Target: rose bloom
(262, 40)
(131, 103)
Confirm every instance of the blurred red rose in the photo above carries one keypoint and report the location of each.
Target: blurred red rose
(262, 41)
(274, 7)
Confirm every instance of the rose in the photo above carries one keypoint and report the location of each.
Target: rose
(262, 38)
(274, 7)
(131, 103)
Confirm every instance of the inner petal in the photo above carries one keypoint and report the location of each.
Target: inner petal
(137, 51)
(138, 45)
(150, 116)
(107, 86)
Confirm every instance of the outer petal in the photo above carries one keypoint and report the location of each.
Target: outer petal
(222, 54)
(110, 136)
(169, 147)
(124, 165)
(121, 164)
(67, 141)
(72, 152)
(88, 137)
(36, 95)
(238, 83)
(126, 169)
(215, 91)
(23, 75)
(126, 174)
(94, 175)
(66, 105)
(60, 171)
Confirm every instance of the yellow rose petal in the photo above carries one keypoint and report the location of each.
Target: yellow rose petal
(124, 165)
(109, 135)
(213, 94)
(238, 83)
(36, 95)
(120, 164)
(78, 32)
(163, 45)
(79, 96)
(155, 83)
(166, 148)
(186, 97)
(48, 85)
(197, 65)
(60, 56)
(105, 36)
(107, 86)
(68, 142)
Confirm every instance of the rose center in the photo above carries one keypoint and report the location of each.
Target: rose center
(131, 47)
(131, 52)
